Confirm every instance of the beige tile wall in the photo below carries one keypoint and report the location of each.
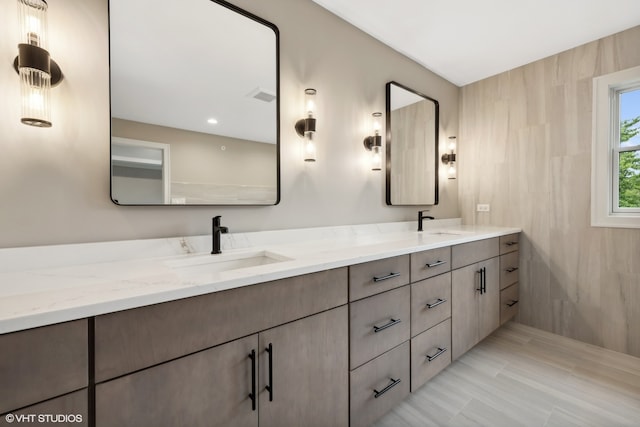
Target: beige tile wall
(525, 148)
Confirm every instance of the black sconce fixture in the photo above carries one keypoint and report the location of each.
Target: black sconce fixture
(374, 143)
(38, 72)
(306, 127)
(450, 158)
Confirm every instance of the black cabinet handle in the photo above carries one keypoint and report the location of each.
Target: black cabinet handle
(512, 303)
(391, 322)
(435, 356)
(269, 386)
(435, 264)
(511, 269)
(252, 395)
(387, 277)
(481, 281)
(391, 385)
(484, 280)
(511, 243)
(437, 303)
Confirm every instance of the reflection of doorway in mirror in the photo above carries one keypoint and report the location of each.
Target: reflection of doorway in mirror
(140, 172)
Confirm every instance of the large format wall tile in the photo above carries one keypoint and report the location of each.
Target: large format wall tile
(525, 148)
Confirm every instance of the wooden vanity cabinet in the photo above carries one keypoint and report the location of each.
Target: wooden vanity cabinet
(475, 293)
(42, 364)
(509, 277)
(131, 340)
(303, 322)
(303, 376)
(379, 333)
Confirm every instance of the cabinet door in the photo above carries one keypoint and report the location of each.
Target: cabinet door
(489, 301)
(474, 315)
(465, 296)
(309, 372)
(208, 388)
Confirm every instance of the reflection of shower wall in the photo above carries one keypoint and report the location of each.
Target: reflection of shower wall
(413, 153)
(136, 186)
(209, 161)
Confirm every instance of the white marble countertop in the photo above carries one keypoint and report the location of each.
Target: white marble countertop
(51, 284)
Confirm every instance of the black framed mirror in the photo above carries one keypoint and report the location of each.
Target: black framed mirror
(411, 146)
(195, 101)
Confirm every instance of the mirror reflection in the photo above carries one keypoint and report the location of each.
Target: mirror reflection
(194, 104)
(412, 147)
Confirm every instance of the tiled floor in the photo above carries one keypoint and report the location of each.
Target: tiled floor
(521, 376)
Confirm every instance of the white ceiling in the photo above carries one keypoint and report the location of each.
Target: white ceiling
(469, 40)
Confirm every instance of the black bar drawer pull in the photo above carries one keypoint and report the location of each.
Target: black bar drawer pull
(481, 288)
(511, 243)
(435, 264)
(437, 303)
(391, 385)
(392, 322)
(269, 387)
(511, 269)
(512, 303)
(388, 276)
(438, 354)
(252, 395)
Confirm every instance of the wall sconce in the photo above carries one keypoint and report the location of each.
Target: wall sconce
(374, 143)
(306, 127)
(38, 72)
(450, 158)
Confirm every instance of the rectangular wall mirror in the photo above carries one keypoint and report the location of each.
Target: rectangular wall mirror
(412, 147)
(194, 104)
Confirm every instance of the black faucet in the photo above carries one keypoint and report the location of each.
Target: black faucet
(421, 217)
(216, 231)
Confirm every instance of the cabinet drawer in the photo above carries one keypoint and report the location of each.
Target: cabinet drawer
(509, 243)
(386, 377)
(430, 353)
(472, 252)
(74, 406)
(134, 339)
(509, 269)
(509, 299)
(430, 263)
(430, 302)
(377, 324)
(373, 277)
(38, 364)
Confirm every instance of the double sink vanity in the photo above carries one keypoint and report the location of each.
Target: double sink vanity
(319, 327)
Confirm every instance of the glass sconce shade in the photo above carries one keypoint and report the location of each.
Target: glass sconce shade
(33, 23)
(310, 102)
(309, 147)
(35, 90)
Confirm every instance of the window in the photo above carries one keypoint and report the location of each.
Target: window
(615, 172)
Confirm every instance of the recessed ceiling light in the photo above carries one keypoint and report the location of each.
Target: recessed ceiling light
(212, 121)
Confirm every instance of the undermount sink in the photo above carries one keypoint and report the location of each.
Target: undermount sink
(226, 261)
(450, 232)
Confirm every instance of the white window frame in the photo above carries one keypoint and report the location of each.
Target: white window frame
(605, 150)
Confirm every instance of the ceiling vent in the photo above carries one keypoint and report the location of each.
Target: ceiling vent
(262, 94)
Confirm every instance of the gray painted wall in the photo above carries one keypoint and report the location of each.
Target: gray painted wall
(55, 182)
